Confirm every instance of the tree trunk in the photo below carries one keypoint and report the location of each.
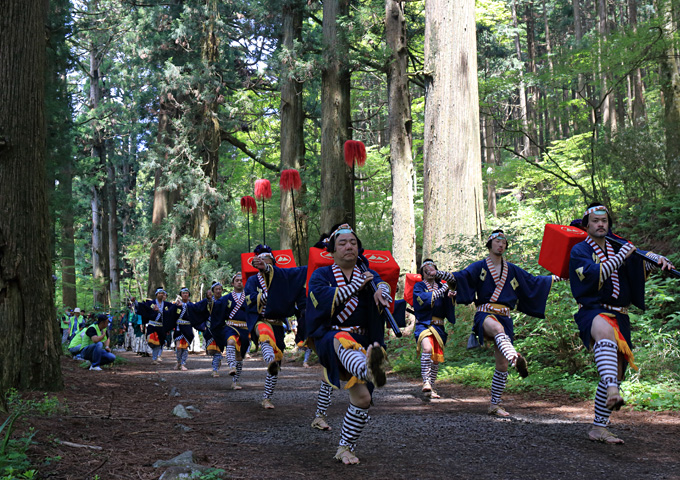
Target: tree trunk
(161, 207)
(400, 123)
(452, 168)
(112, 213)
(533, 95)
(337, 185)
(550, 93)
(99, 226)
(638, 112)
(68, 248)
(100, 285)
(292, 235)
(608, 104)
(30, 343)
(490, 149)
(670, 85)
(59, 115)
(523, 114)
(578, 30)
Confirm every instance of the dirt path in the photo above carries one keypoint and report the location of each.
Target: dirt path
(127, 411)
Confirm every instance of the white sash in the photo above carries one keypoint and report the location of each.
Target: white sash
(499, 280)
(352, 301)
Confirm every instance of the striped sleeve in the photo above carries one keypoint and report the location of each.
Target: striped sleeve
(347, 291)
(607, 267)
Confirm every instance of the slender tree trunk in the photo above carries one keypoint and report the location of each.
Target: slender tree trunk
(99, 227)
(488, 133)
(337, 185)
(400, 123)
(161, 207)
(551, 116)
(112, 211)
(578, 35)
(523, 113)
(670, 85)
(59, 114)
(452, 168)
(68, 248)
(638, 111)
(608, 104)
(30, 343)
(533, 94)
(292, 235)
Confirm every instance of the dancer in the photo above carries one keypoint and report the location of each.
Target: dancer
(343, 320)
(497, 286)
(160, 317)
(605, 279)
(184, 333)
(271, 296)
(433, 302)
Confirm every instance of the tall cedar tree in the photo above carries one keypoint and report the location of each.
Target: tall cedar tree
(30, 340)
(452, 168)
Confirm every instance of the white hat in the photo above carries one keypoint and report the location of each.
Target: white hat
(76, 310)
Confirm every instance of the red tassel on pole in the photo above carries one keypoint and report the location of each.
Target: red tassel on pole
(290, 180)
(248, 205)
(355, 151)
(263, 189)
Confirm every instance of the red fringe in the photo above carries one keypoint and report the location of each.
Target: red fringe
(290, 180)
(263, 189)
(355, 151)
(248, 205)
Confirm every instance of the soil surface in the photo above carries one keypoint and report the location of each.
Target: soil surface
(126, 410)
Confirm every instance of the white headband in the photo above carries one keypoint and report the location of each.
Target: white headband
(497, 235)
(596, 209)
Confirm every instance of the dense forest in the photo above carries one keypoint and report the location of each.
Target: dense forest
(162, 115)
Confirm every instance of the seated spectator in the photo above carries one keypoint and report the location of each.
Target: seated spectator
(95, 343)
(75, 346)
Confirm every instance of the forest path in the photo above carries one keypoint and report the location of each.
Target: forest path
(127, 410)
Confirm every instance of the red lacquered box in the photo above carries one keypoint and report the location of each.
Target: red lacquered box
(284, 259)
(409, 282)
(558, 240)
(380, 261)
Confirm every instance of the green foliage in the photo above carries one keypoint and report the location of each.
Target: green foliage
(14, 463)
(210, 474)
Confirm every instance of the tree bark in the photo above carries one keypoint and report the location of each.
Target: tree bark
(99, 220)
(523, 113)
(533, 94)
(68, 248)
(670, 85)
(452, 168)
(489, 141)
(112, 214)
(638, 112)
(608, 104)
(550, 94)
(30, 343)
(337, 185)
(292, 235)
(59, 115)
(401, 142)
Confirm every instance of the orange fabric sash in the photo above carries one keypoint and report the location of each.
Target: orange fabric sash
(437, 347)
(348, 343)
(153, 339)
(182, 344)
(266, 334)
(624, 349)
(237, 341)
(212, 348)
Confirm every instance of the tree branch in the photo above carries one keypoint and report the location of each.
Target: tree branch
(226, 136)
